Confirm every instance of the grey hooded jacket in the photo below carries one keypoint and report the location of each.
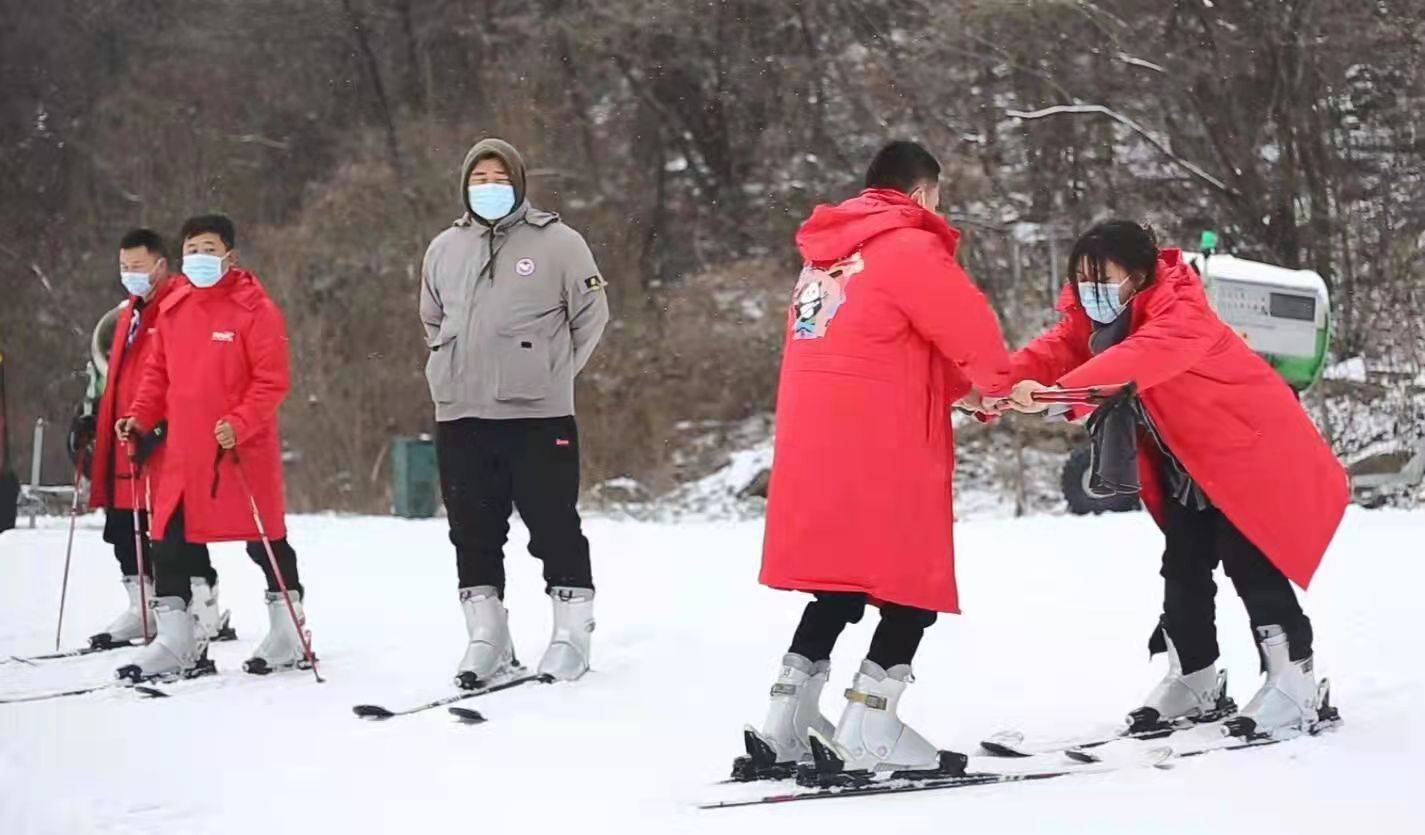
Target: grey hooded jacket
(511, 312)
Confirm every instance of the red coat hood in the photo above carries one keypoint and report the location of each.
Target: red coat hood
(834, 232)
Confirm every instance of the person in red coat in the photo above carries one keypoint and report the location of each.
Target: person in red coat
(218, 372)
(1229, 464)
(122, 480)
(884, 333)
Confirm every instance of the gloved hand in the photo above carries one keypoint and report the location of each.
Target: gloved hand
(148, 442)
(81, 435)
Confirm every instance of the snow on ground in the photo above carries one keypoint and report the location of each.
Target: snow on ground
(1057, 615)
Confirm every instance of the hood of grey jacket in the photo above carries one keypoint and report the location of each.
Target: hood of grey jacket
(514, 164)
(512, 311)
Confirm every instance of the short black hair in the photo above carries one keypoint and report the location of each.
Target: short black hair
(146, 238)
(220, 225)
(902, 165)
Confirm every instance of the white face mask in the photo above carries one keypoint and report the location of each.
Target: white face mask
(137, 284)
(203, 269)
(1102, 301)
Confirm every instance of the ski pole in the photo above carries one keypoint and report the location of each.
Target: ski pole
(272, 561)
(1090, 395)
(138, 540)
(68, 551)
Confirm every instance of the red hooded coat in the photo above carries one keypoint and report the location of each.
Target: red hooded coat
(221, 354)
(110, 480)
(884, 333)
(1227, 416)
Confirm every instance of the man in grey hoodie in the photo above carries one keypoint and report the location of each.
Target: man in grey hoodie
(513, 306)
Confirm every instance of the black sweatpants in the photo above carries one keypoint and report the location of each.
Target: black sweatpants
(119, 532)
(895, 641)
(489, 468)
(1197, 540)
(175, 558)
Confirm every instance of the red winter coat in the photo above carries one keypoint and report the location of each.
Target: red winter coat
(221, 354)
(884, 333)
(111, 477)
(1227, 416)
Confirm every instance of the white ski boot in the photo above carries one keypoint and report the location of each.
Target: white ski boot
(282, 648)
(1289, 701)
(794, 711)
(178, 650)
(490, 655)
(1178, 700)
(872, 738)
(567, 657)
(128, 626)
(211, 616)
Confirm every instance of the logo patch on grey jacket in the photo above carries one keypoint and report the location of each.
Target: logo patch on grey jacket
(593, 282)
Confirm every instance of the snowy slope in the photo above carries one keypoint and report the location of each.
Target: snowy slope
(1053, 641)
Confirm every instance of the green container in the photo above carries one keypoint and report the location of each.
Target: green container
(415, 481)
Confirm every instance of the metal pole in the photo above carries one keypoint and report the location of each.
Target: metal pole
(36, 454)
(68, 552)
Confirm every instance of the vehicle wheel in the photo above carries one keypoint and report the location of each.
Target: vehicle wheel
(1075, 483)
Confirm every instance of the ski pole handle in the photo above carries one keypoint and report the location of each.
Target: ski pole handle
(1089, 395)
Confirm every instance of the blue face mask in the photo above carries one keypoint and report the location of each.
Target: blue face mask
(492, 201)
(138, 284)
(1101, 302)
(202, 269)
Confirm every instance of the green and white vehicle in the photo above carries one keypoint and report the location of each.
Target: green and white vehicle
(1284, 315)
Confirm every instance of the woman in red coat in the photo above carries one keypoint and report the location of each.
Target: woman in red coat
(1230, 466)
(884, 333)
(217, 375)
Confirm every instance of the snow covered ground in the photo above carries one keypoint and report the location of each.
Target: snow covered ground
(1058, 611)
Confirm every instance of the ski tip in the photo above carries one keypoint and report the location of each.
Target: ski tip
(150, 692)
(545, 678)
(1005, 744)
(372, 712)
(1079, 755)
(467, 716)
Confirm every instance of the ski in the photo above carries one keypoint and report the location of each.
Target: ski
(1012, 744)
(378, 713)
(1231, 735)
(68, 653)
(1143, 724)
(225, 633)
(205, 668)
(148, 691)
(41, 697)
(903, 785)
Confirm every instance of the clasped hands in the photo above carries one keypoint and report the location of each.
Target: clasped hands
(1020, 399)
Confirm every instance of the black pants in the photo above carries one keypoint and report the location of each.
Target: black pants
(175, 560)
(1197, 540)
(489, 468)
(896, 639)
(119, 532)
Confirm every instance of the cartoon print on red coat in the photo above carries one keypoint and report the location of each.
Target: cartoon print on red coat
(819, 295)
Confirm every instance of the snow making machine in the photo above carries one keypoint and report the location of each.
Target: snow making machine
(1282, 314)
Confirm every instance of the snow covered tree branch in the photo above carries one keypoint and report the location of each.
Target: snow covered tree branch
(1091, 109)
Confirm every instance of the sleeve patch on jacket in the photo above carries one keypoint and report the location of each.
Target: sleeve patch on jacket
(594, 282)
